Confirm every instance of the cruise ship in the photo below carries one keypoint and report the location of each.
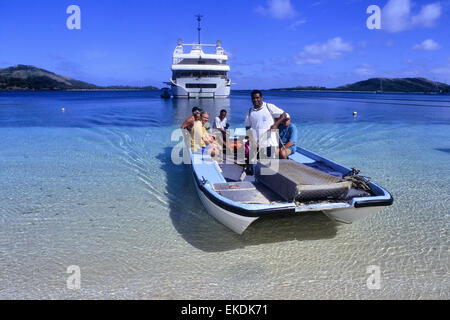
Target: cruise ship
(199, 74)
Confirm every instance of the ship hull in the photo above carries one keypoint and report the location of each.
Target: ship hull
(201, 88)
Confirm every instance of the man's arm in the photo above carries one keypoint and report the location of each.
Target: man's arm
(279, 121)
(216, 123)
(187, 122)
(248, 124)
(276, 113)
(206, 136)
(288, 145)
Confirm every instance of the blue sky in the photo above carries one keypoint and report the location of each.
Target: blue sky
(271, 43)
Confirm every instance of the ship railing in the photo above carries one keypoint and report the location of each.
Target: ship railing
(199, 45)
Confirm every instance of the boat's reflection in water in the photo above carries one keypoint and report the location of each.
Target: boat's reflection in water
(183, 108)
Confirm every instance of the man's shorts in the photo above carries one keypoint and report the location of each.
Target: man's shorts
(292, 148)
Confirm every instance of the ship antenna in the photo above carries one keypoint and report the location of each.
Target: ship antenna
(199, 18)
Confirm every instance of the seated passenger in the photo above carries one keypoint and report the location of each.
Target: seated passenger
(220, 122)
(201, 139)
(288, 138)
(220, 127)
(189, 122)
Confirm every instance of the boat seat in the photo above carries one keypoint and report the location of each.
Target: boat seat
(295, 181)
(243, 192)
(231, 171)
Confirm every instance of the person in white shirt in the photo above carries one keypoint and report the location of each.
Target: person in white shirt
(261, 120)
(220, 125)
(220, 122)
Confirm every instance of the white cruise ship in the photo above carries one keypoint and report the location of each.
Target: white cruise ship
(197, 74)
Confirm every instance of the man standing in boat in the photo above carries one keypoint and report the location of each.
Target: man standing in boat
(261, 119)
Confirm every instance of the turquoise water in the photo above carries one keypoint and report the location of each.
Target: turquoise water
(94, 186)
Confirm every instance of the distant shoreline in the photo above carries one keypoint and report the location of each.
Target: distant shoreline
(354, 91)
(344, 91)
(235, 91)
(62, 90)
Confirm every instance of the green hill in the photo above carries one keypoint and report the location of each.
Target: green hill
(23, 77)
(385, 85)
(397, 85)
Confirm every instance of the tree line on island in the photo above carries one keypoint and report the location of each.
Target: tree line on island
(23, 77)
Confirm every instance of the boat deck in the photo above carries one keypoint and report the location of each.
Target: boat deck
(252, 190)
(247, 191)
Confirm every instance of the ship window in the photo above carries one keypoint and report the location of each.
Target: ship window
(200, 85)
(199, 74)
(199, 61)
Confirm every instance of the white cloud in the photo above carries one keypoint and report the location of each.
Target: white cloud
(279, 9)
(396, 15)
(428, 15)
(428, 45)
(318, 53)
(296, 24)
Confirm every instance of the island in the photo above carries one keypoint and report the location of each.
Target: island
(25, 77)
(408, 85)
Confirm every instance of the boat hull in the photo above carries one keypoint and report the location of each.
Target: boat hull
(233, 221)
(238, 216)
(350, 215)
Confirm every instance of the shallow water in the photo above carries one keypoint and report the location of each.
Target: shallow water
(94, 186)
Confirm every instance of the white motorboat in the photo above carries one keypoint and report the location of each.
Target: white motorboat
(306, 182)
